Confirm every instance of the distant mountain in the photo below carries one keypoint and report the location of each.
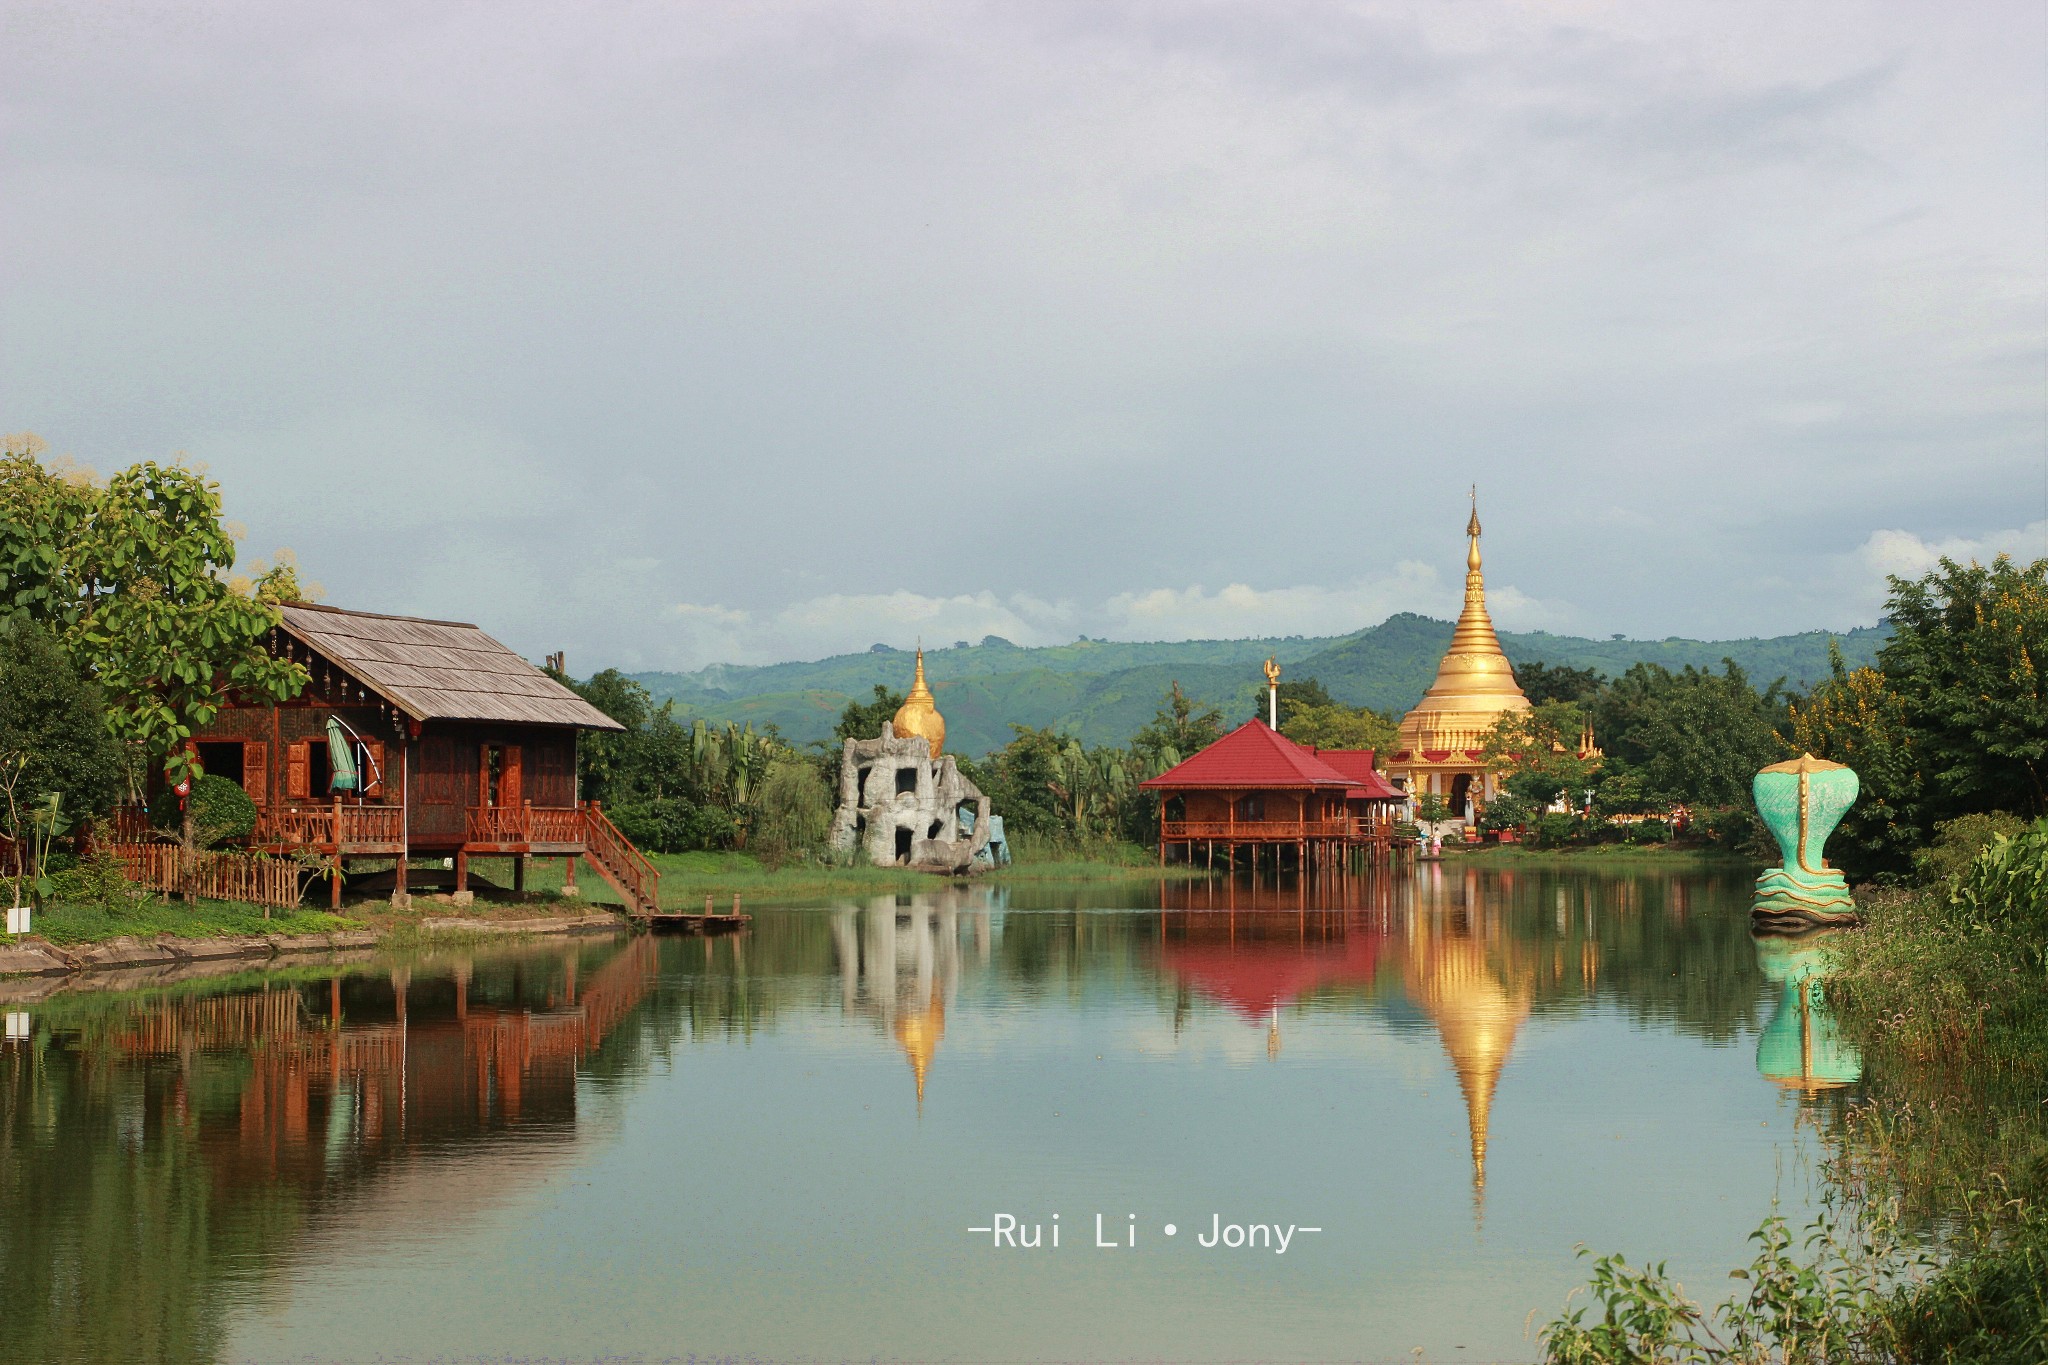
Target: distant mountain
(1101, 691)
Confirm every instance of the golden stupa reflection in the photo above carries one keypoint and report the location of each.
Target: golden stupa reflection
(900, 964)
(1477, 1017)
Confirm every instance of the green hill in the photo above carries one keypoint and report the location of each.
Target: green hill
(1102, 691)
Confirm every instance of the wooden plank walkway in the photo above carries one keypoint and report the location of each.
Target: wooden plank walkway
(710, 921)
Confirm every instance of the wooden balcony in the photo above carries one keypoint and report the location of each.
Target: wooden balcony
(337, 827)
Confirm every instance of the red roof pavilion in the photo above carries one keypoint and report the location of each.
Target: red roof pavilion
(1255, 786)
(1253, 757)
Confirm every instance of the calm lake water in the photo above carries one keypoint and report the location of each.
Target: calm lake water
(774, 1146)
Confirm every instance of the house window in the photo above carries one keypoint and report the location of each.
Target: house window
(221, 759)
(1250, 807)
(319, 768)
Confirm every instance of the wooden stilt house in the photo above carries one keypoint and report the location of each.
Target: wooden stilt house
(1255, 792)
(463, 749)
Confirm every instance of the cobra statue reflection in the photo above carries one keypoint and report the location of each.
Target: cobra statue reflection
(1801, 1048)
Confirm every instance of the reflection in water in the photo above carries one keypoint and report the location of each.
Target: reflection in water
(1801, 1048)
(223, 1136)
(1458, 962)
(160, 1155)
(905, 967)
(1477, 1012)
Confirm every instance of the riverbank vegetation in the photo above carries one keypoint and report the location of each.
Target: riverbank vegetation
(65, 922)
(1939, 1251)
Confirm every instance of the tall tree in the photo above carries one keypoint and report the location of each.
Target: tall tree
(603, 757)
(1968, 661)
(1337, 726)
(1695, 737)
(1855, 718)
(1178, 730)
(133, 576)
(52, 720)
(1537, 753)
(1559, 682)
(1292, 695)
(159, 626)
(865, 719)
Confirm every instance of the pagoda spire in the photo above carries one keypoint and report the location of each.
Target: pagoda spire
(919, 714)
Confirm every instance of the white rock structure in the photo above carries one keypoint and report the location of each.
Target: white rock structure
(902, 800)
(899, 808)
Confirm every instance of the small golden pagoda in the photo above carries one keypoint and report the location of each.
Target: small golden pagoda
(1441, 739)
(919, 714)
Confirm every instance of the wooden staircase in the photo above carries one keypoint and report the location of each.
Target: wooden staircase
(625, 868)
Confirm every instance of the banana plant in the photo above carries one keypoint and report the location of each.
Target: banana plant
(48, 823)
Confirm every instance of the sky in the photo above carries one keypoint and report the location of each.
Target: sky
(671, 334)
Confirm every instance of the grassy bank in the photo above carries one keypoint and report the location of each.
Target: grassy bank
(66, 924)
(1941, 1253)
(687, 878)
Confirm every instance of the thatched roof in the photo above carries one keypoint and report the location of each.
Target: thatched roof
(440, 670)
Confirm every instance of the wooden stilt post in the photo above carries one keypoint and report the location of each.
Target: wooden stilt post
(461, 870)
(569, 874)
(519, 872)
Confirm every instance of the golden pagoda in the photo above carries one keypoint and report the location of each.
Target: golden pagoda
(1440, 743)
(919, 714)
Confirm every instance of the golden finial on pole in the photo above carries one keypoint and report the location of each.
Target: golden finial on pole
(1272, 692)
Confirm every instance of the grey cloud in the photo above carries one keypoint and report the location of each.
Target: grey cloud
(651, 305)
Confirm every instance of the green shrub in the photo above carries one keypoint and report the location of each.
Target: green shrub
(1553, 830)
(222, 812)
(95, 882)
(1506, 811)
(1957, 843)
(792, 811)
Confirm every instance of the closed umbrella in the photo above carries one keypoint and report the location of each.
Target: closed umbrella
(342, 759)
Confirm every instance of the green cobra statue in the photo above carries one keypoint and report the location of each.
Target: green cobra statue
(1802, 801)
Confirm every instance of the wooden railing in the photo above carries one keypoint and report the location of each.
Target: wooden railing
(526, 824)
(495, 825)
(1255, 831)
(554, 825)
(615, 855)
(315, 826)
(251, 877)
